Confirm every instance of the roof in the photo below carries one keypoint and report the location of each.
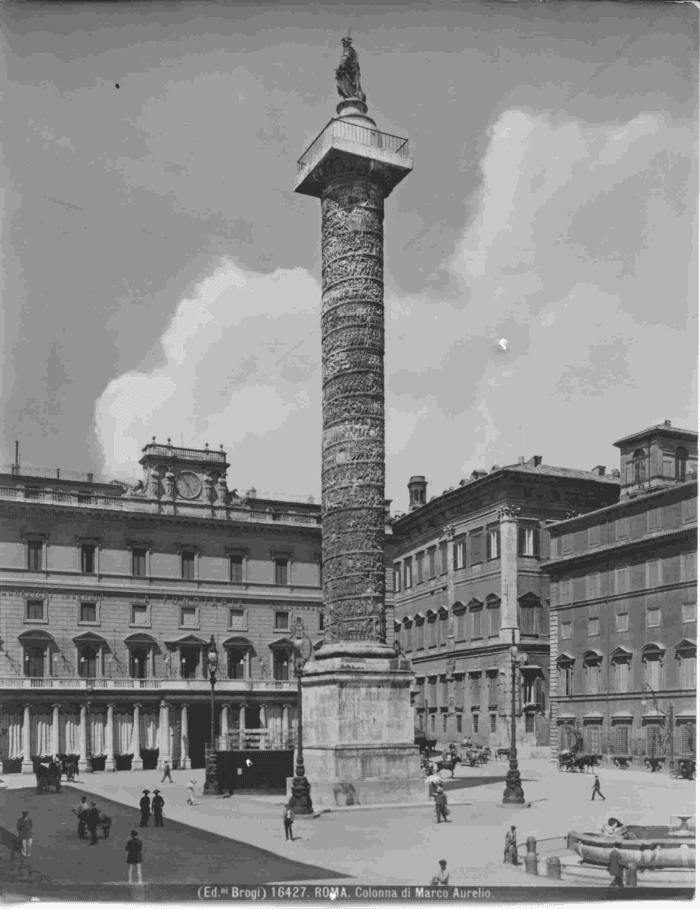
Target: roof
(661, 429)
(570, 472)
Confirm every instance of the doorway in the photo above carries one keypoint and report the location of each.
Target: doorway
(252, 718)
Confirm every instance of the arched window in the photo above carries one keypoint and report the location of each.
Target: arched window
(280, 665)
(432, 628)
(639, 462)
(87, 662)
(493, 610)
(686, 654)
(621, 665)
(460, 612)
(565, 666)
(138, 662)
(653, 661)
(530, 608)
(592, 660)
(407, 635)
(681, 463)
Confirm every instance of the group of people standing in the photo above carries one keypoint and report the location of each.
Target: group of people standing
(155, 806)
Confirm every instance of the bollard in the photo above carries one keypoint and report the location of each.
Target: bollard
(531, 856)
(554, 868)
(631, 876)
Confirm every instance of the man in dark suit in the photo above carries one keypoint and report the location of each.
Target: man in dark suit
(145, 806)
(158, 803)
(92, 820)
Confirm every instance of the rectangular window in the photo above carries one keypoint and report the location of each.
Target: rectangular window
(688, 738)
(566, 631)
(139, 615)
(322, 623)
(494, 621)
(652, 673)
(493, 690)
(528, 541)
(622, 738)
(281, 621)
(493, 722)
(408, 574)
(188, 617)
(236, 618)
(443, 558)
(566, 680)
(591, 672)
(475, 685)
(622, 621)
(529, 722)
(281, 572)
(622, 528)
(690, 612)
(419, 567)
(35, 555)
(688, 670)
(621, 580)
(397, 578)
(88, 612)
(654, 573)
(138, 563)
(594, 536)
(493, 543)
(689, 566)
(408, 635)
(621, 675)
(593, 584)
(444, 722)
(87, 558)
(654, 747)
(432, 631)
(475, 547)
(187, 566)
(432, 722)
(236, 563)
(462, 626)
(566, 590)
(654, 617)
(476, 623)
(459, 554)
(593, 627)
(458, 721)
(431, 563)
(35, 610)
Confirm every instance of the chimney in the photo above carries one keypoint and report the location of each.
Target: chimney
(616, 474)
(599, 469)
(478, 474)
(667, 422)
(417, 487)
(535, 461)
(521, 461)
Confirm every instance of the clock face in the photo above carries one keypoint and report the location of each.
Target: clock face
(188, 484)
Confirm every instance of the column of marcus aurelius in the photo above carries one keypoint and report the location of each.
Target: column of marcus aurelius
(357, 716)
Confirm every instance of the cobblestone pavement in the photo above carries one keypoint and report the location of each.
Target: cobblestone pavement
(394, 845)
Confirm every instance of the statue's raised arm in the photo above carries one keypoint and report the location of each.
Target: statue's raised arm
(347, 74)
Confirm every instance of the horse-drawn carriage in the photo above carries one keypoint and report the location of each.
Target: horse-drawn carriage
(573, 760)
(69, 767)
(685, 769)
(48, 775)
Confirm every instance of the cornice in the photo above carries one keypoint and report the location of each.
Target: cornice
(35, 591)
(599, 553)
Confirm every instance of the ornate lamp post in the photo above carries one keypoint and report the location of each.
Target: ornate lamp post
(300, 649)
(513, 793)
(667, 740)
(210, 782)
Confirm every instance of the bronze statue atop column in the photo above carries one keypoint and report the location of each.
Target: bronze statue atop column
(347, 74)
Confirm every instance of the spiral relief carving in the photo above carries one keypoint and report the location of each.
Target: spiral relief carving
(352, 329)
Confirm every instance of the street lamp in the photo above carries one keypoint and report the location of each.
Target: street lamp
(513, 793)
(210, 783)
(300, 649)
(668, 734)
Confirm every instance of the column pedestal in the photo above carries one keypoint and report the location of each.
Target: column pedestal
(358, 732)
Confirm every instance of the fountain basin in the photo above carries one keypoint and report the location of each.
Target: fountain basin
(648, 847)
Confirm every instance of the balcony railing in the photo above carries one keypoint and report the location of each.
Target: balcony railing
(340, 129)
(255, 740)
(192, 685)
(195, 454)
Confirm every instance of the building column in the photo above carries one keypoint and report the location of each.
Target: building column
(285, 725)
(82, 760)
(110, 763)
(136, 760)
(55, 731)
(509, 574)
(263, 717)
(223, 725)
(241, 725)
(27, 764)
(164, 735)
(185, 763)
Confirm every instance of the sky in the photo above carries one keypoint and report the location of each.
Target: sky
(160, 278)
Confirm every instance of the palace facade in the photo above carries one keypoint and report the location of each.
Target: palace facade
(469, 585)
(624, 608)
(110, 595)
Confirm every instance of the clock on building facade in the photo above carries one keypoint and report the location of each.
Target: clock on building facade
(189, 485)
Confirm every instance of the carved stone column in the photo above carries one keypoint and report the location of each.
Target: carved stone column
(136, 761)
(263, 717)
(223, 725)
(56, 731)
(509, 573)
(285, 725)
(110, 763)
(82, 760)
(164, 735)
(27, 763)
(185, 763)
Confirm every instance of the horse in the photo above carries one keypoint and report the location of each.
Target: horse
(70, 768)
(502, 753)
(587, 762)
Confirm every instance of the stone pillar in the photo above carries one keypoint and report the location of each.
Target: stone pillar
(185, 763)
(509, 574)
(285, 725)
(263, 717)
(164, 735)
(82, 760)
(110, 763)
(136, 761)
(223, 725)
(356, 713)
(56, 731)
(27, 763)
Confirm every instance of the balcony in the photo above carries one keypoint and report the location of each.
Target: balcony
(167, 686)
(341, 138)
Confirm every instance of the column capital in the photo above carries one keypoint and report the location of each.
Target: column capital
(110, 705)
(55, 706)
(508, 513)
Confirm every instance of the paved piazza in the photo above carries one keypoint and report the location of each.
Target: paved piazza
(241, 839)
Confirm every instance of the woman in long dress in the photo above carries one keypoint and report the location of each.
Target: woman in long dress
(510, 853)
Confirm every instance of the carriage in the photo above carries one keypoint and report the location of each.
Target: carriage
(685, 769)
(48, 775)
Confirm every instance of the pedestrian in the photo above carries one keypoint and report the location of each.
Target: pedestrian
(24, 831)
(166, 773)
(615, 867)
(134, 857)
(190, 792)
(80, 811)
(145, 806)
(92, 820)
(288, 821)
(441, 809)
(158, 803)
(442, 877)
(596, 789)
(510, 853)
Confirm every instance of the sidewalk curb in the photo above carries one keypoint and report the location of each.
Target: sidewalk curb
(401, 805)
